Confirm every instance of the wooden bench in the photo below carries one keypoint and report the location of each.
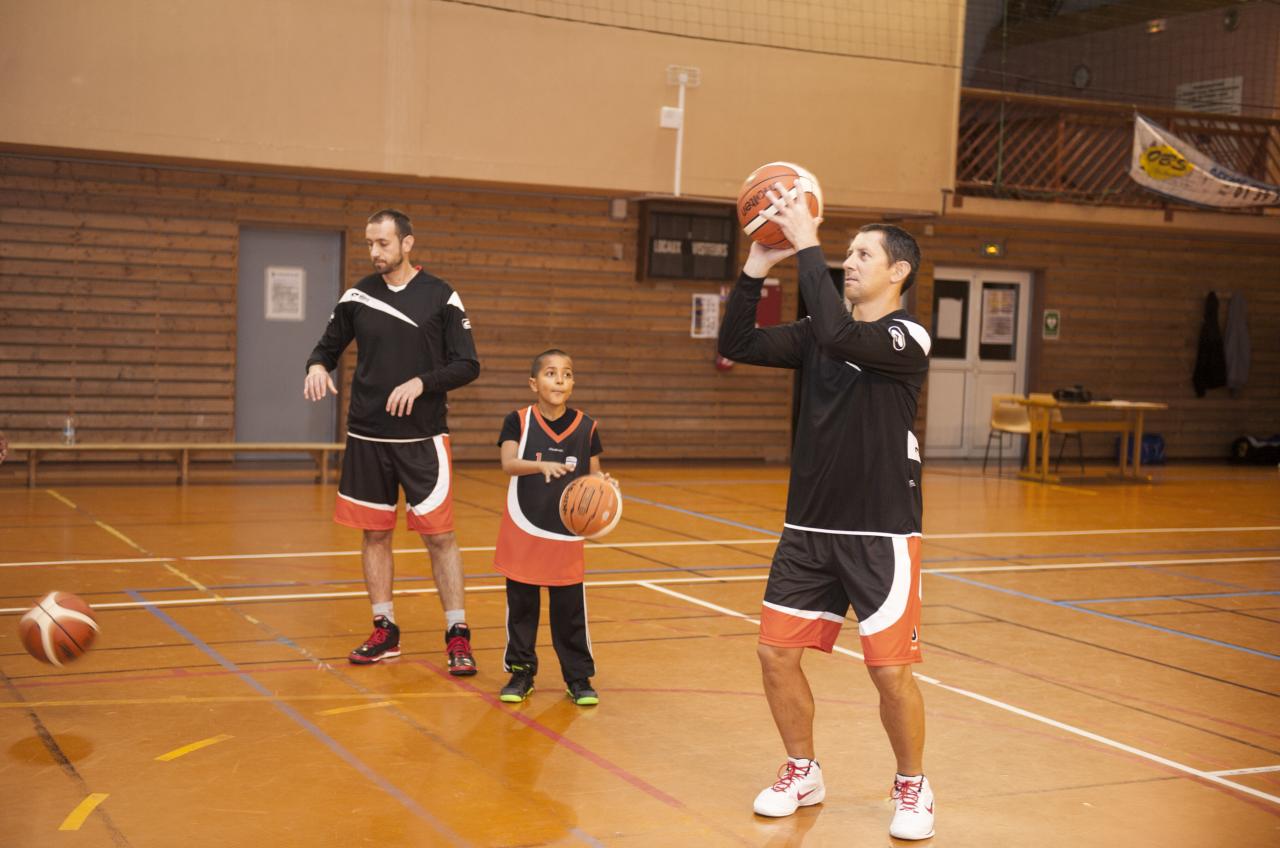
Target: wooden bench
(180, 451)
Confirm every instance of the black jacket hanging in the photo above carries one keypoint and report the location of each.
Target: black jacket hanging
(1211, 359)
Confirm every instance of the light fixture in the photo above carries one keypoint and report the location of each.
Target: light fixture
(993, 249)
(1156, 25)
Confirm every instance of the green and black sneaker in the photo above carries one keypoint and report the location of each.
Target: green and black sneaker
(582, 693)
(519, 687)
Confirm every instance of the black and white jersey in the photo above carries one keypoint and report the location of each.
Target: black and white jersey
(418, 330)
(534, 546)
(855, 467)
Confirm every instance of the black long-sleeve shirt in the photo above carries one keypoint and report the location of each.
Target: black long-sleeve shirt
(421, 331)
(855, 467)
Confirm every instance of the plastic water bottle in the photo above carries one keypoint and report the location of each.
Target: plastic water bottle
(69, 430)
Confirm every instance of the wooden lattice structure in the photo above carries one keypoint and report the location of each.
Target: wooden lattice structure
(1054, 148)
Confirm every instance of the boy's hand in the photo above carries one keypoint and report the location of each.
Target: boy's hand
(605, 475)
(550, 470)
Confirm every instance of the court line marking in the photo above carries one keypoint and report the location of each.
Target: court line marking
(77, 816)
(194, 746)
(769, 538)
(1258, 770)
(1191, 597)
(729, 521)
(328, 741)
(429, 590)
(339, 710)
(59, 497)
(169, 566)
(1211, 777)
(1111, 617)
(183, 700)
(512, 712)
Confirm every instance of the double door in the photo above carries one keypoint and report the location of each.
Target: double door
(979, 337)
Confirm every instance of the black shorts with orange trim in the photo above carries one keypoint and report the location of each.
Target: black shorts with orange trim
(816, 577)
(373, 472)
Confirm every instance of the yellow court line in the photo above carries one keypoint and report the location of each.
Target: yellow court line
(82, 811)
(214, 699)
(174, 570)
(1071, 489)
(51, 493)
(170, 567)
(194, 746)
(373, 706)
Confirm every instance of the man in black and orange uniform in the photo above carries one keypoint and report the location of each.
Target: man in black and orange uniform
(414, 345)
(545, 447)
(853, 525)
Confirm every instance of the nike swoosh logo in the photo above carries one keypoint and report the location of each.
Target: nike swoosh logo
(801, 796)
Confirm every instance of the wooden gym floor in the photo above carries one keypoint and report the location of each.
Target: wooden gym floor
(1101, 669)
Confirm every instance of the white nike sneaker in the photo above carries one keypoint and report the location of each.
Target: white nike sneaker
(912, 808)
(799, 785)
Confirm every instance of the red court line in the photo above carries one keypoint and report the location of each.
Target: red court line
(170, 675)
(559, 738)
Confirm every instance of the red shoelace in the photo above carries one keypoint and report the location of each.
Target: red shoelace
(379, 635)
(458, 645)
(908, 793)
(788, 774)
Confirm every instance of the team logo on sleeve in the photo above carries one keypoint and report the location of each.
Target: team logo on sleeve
(899, 338)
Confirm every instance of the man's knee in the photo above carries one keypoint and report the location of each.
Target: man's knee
(894, 682)
(440, 542)
(378, 537)
(774, 659)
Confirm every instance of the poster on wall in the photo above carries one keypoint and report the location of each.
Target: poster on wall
(999, 312)
(286, 294)
(704, 317)
(1223, 96)
(950, 318)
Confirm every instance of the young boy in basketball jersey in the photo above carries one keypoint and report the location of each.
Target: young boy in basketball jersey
(544, 447)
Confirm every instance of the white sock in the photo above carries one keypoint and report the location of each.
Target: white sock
(911, 777)
(452, 617)
(803, 761)
(386, 610)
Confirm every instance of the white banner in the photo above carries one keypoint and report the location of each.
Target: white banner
(1167, 165)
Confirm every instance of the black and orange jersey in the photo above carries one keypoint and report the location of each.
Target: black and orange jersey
(855, 465)
(416, 330)
(533, 544)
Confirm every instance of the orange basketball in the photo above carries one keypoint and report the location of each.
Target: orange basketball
(58, 629)
(752, 199)
(590, 506)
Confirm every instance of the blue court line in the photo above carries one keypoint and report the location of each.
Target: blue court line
(1074, 608)
(1077, 554)
(634, 499)
(301, 720)
(1170, 597)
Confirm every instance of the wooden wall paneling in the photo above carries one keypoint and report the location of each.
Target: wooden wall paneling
(117, 284)
(117, 281)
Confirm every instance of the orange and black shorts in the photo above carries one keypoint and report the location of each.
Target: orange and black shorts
(816, 577)
(373, 472)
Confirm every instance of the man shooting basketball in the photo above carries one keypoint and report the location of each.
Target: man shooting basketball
(853, 525)
(414, 342)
